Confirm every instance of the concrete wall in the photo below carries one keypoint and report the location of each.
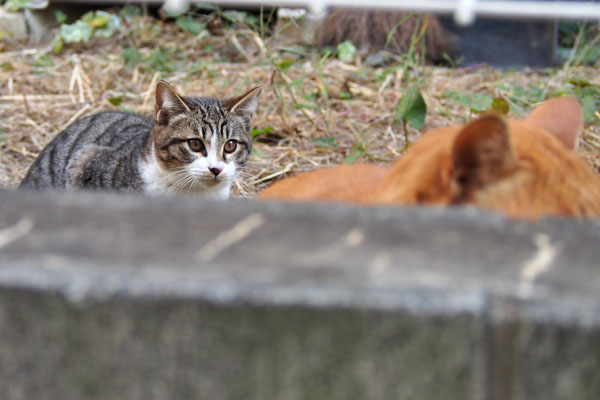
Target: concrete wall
(108, 296)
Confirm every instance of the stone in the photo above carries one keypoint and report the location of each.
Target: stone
(107, 296)
(12, 25)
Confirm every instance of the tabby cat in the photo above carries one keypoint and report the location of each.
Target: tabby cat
(194, 145)
(522, 168)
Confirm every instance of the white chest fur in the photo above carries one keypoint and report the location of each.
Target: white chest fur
(158, 180)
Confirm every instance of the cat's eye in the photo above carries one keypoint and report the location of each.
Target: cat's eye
(196, 145)
(230, 146)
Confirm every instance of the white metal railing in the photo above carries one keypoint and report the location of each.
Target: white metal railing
(464, 10)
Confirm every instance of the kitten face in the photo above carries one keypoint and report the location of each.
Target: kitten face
(199, 144)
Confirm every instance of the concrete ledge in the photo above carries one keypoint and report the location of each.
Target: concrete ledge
(107, 296)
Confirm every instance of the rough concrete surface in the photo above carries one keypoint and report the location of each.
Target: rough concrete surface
(106, 296)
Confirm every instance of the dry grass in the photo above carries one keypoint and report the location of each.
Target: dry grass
(302, 104)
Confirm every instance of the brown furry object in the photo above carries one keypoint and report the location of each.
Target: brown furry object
(371, 28)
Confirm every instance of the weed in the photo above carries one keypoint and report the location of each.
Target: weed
(357, 152)
(579, 44)
(115, 101)
(346, 51)
(189, 24)
(476, 103)
(160, 59)
(589, 96)
(60, 17)
(17, 5)
(326, 142)
(262, 131)
(132, 57)
(411, 109)
(94, 23)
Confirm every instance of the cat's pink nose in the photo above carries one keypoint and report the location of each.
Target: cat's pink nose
(215, 171)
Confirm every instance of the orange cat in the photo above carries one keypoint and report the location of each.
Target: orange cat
(522, 168)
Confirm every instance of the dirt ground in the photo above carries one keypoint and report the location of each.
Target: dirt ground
(314, 111)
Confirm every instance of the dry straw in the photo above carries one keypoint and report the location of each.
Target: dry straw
(313, 113)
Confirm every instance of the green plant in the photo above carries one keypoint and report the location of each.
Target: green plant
(261, 131)
(60, 16)
(132, 57)
(357, 151)
(411, 109)
(130, 11)
(160, 59)
(588, 95)
(115, 101)
(578, 44)
(93, 23)
(522, 98)
(17, 5)
(346, 51)
(189, 24)
(415, 54)
(476, 102)
(326, 142)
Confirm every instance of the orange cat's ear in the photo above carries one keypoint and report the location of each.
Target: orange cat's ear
(244, 105)
(562, 117)
(168, 103)
(481, 153)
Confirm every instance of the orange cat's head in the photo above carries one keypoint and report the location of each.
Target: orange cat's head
(522, 168)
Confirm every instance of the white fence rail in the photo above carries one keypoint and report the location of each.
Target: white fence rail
(463, 10)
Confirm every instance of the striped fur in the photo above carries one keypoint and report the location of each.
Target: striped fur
(129, 152)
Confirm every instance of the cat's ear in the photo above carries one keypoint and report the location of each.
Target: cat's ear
(168, 103)
(244, 105)
(562, 117)
(481, 154)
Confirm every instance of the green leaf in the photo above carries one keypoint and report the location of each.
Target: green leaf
(457, 97)
(500, 105)
(60, 16)
(43, 61)
(286, 64)
(346, 51)
(159, 60)
(189, 24)
(99, 20)
(477, 102)
(106, 24)
(411, 108)
(307, 106)
(16, 5)
(199, 66)
(132, 57)
(580, 82)
(358, 150)
(327, 142)
(238, 17)
(346, 96)
(262, 131)
(58, 44)
(115, 101)
(481, 102)
(130, 11)
(588, 103)
(297, 83)
(76, 33)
